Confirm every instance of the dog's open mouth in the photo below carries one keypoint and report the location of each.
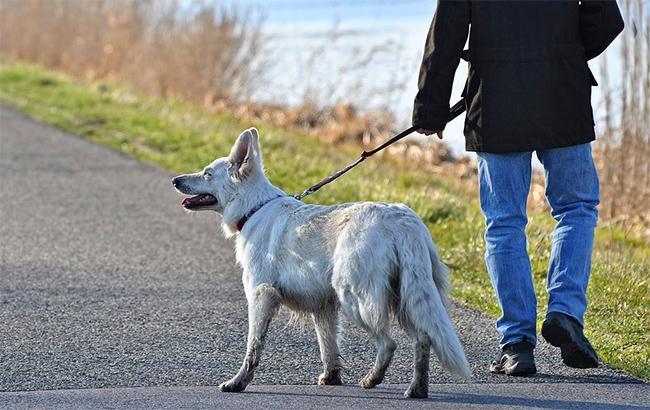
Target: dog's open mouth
(198, 201)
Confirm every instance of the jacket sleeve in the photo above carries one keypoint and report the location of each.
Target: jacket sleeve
(444, 44)
(600, 23)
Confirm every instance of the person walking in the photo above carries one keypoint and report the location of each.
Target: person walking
(528, 90)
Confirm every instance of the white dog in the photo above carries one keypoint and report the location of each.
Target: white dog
(369, 259)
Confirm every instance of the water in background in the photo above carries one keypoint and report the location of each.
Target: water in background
(312, 44)
(361, 51)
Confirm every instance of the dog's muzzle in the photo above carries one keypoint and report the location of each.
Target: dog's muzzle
(196, 201)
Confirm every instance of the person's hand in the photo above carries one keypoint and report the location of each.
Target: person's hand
(429, 132)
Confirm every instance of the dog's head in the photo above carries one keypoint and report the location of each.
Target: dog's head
(221, 182)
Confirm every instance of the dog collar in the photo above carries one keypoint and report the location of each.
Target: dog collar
(242, 221)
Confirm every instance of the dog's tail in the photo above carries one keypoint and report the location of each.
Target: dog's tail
(422, 304)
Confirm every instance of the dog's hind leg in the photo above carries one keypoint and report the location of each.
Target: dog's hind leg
(419, 387)
(263, 303)
(374, 318)
(377, 323)
(326, 323)
(385, 348)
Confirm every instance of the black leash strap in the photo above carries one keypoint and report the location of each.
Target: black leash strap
(454, 112)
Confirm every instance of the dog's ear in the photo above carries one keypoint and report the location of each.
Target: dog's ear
(245, 155)
(256, 143)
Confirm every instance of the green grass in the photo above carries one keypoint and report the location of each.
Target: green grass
(183, 138)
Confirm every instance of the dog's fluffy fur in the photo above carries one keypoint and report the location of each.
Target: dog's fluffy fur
(368, 259)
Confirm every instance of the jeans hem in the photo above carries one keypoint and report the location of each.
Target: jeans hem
(564, 312)
(518, 340)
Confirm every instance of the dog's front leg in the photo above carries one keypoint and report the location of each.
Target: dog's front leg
(262, 305)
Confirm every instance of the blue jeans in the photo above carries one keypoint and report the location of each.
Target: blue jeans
(572, 190)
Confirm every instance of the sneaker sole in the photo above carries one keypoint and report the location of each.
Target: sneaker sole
(516, 370)
(572, 354)
(520, 370)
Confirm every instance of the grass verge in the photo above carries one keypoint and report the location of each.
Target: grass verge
(183, 138)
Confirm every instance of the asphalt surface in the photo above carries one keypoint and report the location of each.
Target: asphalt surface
(105, 282)
(447, 396)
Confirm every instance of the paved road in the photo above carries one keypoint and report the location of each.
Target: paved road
(448, 396)
(106, 282)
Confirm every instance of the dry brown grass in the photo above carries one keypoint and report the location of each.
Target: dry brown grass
(152, 45)
(623, 148)
(341, 123)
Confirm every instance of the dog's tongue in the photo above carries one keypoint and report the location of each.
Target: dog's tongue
(199, 200)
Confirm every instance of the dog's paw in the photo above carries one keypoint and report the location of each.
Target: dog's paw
(231, 386)
(331, 379)
(369, 381)
(419, 392)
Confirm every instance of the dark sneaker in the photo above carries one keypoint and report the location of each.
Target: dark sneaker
(565, 332)
(515, 360)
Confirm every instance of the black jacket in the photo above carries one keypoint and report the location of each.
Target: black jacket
(529, 86)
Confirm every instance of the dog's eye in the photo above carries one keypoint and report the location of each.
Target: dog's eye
(206, 174)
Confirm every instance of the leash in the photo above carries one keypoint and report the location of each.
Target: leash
(454, 112)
